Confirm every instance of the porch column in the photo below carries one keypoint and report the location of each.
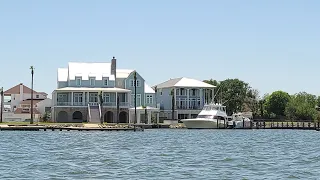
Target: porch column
(88, 97)
(138, 116)
(83, 98)
(158, 117)
(201, 98)
(188, 95)
(71, 98)
(130, 114)
(149, 117)
(129, 98)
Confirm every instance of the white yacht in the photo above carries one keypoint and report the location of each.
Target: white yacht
(237, 120)
(212, 116)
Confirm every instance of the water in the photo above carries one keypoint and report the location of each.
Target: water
(161, 154)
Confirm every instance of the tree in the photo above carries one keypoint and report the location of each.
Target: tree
(172, 103)
(232, 93)
(276, 103)
(302, 107)
(46, 117)
(101, 106)
(252, 101)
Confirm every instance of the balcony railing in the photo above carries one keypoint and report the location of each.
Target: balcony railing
(63, 104)
(105, 104)
(109, 104)
(190, 107)
(124, 104)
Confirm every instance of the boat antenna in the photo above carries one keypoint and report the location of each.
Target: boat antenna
(216, 94)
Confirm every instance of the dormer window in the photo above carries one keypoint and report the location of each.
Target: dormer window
(92, 81)
(78, 81)
(105, 81)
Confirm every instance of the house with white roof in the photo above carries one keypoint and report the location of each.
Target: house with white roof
(189, 97)
(76, 98)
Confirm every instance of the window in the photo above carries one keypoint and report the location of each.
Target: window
(149, 99)
(93, 97)
(78, 81)
(62, 98)
(132, 83)
(37, 96)
(138, 99)
(77, 98)
(106, 97)
(105, 81)
(92, 81)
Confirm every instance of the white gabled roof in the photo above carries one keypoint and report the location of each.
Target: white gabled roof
(62, 74)
(84, 70)
(184, 82)
(148, 89)
(123, 73)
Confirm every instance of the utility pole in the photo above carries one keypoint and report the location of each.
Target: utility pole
(1, 111)
(135, 96)
(32, 73)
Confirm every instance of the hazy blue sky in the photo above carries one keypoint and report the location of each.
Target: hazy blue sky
(271, 44)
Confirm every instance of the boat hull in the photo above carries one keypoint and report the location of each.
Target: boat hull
(202, 124)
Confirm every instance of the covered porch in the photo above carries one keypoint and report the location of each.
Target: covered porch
(71, 96)
(145, 115)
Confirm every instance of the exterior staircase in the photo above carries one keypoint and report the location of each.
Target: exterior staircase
(94, 114)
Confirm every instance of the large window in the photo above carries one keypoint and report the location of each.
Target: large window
(132, 83)
(149, 99)
(77, 98)
(93, 97)
(62, 98)
(106, 97)
(138, 99)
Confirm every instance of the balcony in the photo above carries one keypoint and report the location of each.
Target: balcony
(105, 104)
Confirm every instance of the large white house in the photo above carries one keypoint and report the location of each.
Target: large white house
(79, 86)
(189, 95)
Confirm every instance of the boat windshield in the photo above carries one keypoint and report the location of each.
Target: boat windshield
(209, 108)
(205, 116)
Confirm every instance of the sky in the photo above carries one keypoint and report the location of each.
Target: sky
(272, 45)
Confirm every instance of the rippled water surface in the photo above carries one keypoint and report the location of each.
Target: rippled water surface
(161, 154)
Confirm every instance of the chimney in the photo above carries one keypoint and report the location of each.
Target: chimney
(114, 69)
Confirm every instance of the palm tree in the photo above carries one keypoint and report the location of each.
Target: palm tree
(173, 102)
(101, 106)
(32, 73)
(1, 110)
(156, 90)
(135, 96)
